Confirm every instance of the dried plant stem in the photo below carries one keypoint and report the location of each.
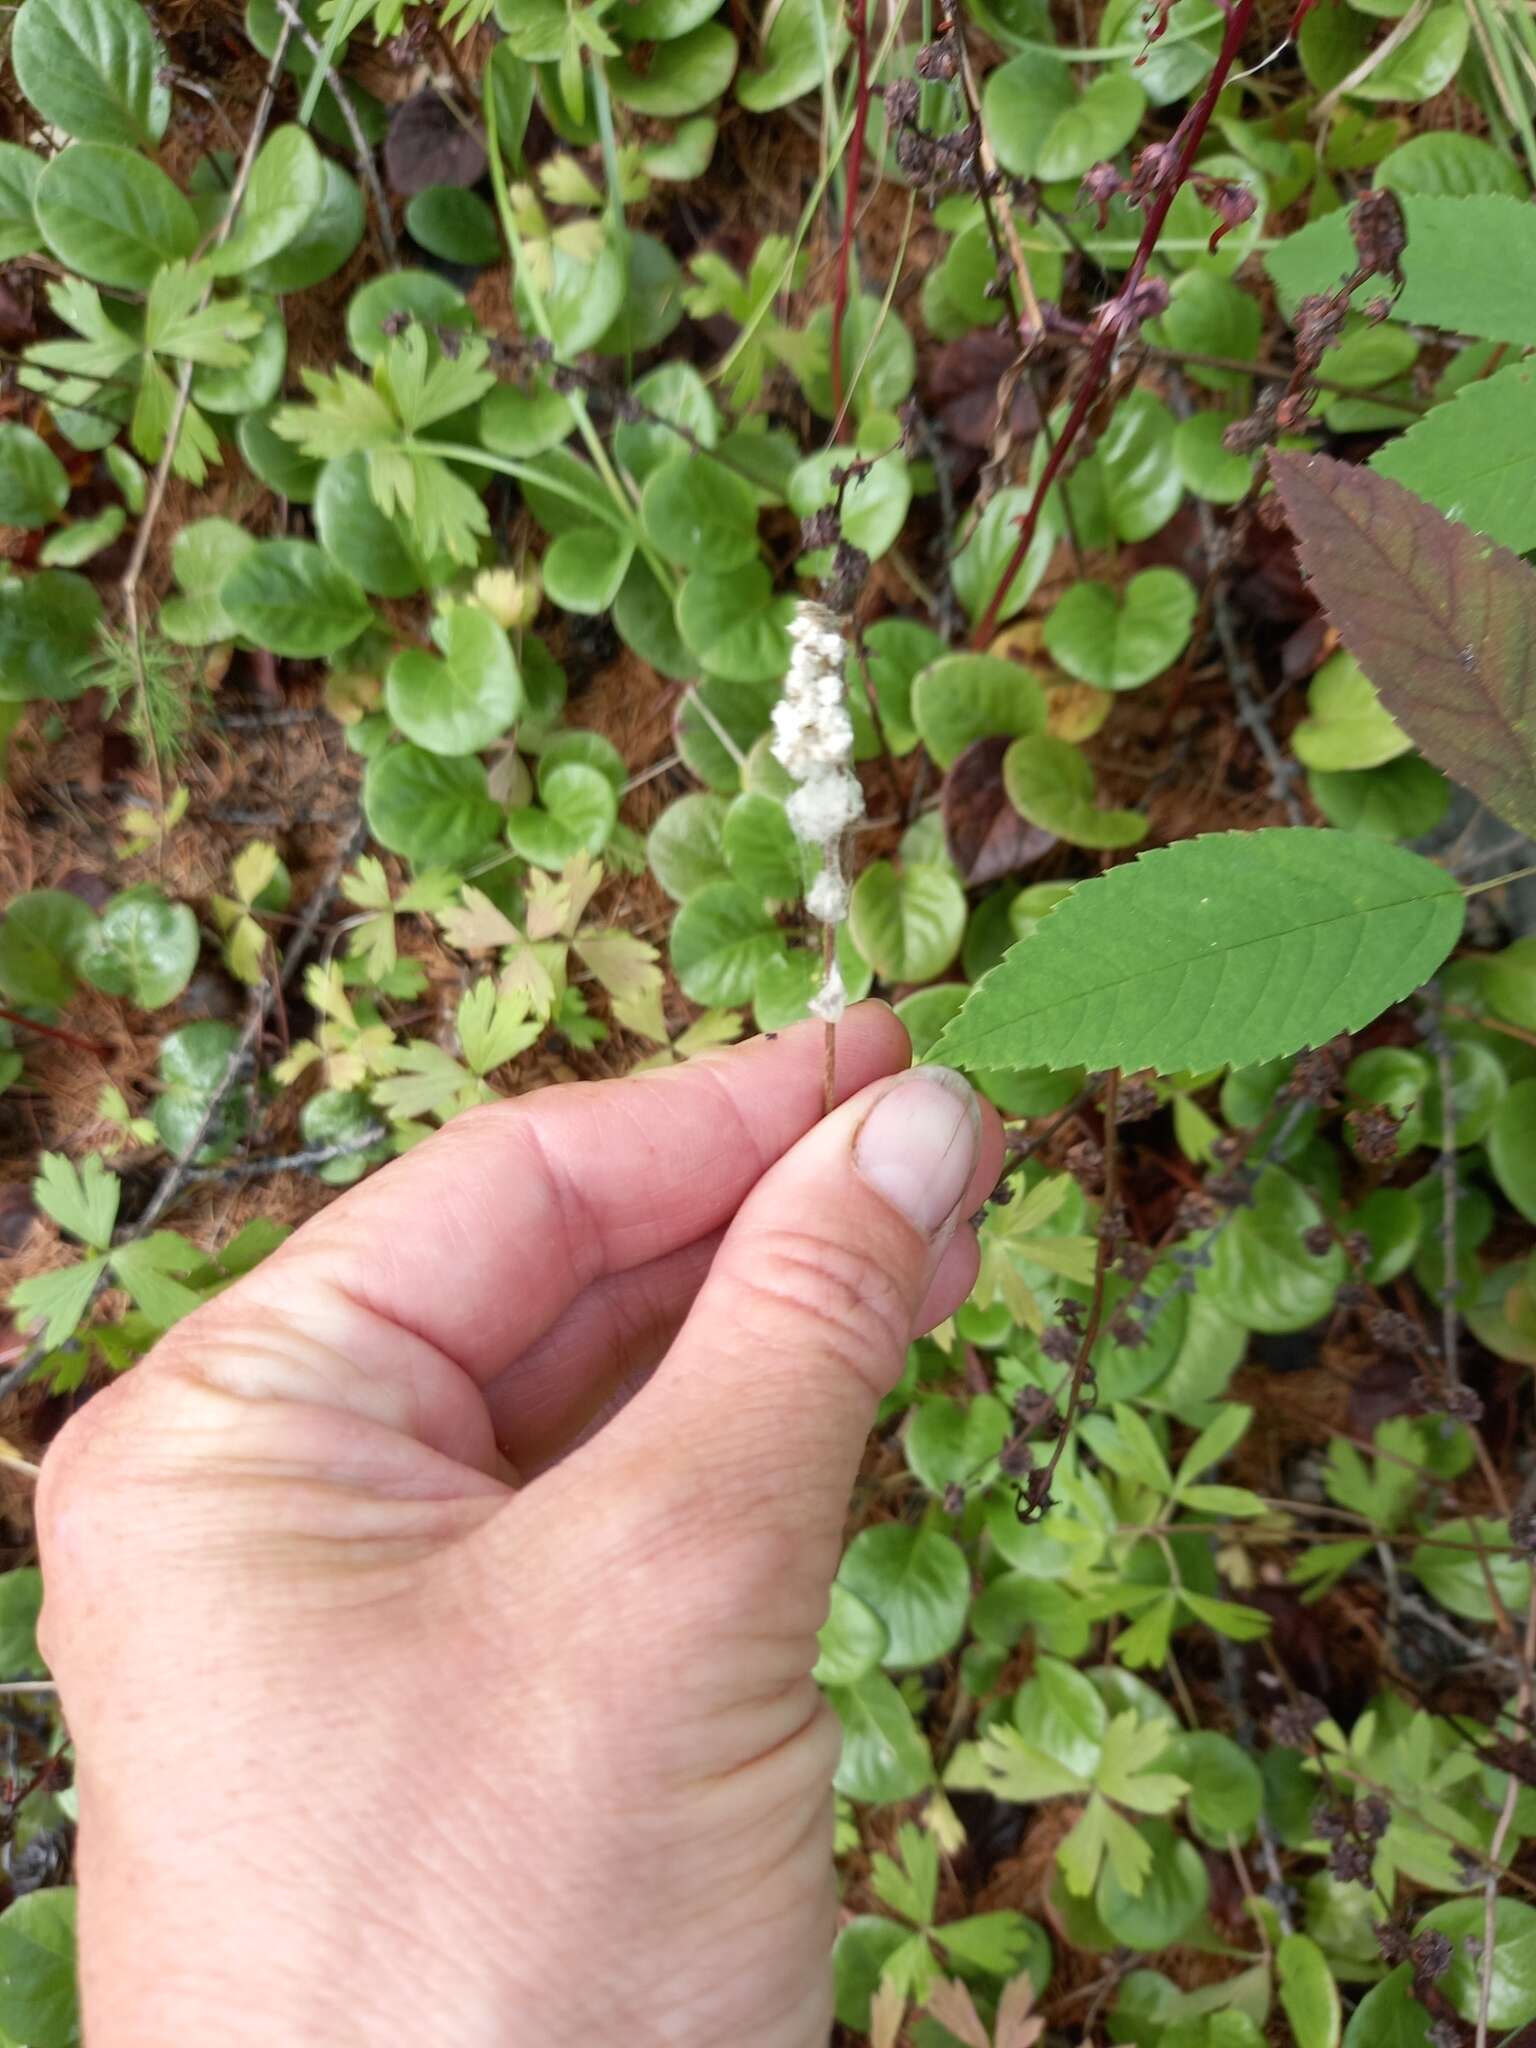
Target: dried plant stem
(55, 1032)
(367, 170)
(1031, 320)
(1501, 1830)
(853, 171)
(829, 1029)
(1101, 351)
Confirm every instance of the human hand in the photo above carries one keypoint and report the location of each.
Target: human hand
(434, 1612)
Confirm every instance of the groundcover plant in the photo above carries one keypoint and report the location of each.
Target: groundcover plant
(423, 429)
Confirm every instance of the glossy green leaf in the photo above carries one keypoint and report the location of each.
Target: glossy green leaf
(851, 1642)
(964, 697)
(978, 568)
(1208, 467)
(686, 846)
(433, 808)
(1389, 2016)
(1446, 165)
(794, 54)
(721, 938)
(1222, 950)
(20, 234)
(325, 241)
(33, 485)
(1308, 1993)
(1263, 1275)
(1336, 41)
(700, 514)
(48, 635)
(38, 2001)
(761, 850)
(1347, 725)
(584, 570)
(44, 935)
(885, 1754)
(1452, 1572)
(112, 215)
(286, 190)
(290, 596)
(1475, 456)
(143, 947)
(1118, 642)
(907, 923)
(681, 76)
(1512, 1147)
(1049, 782)
(93, 68)
(1403, 799)
(917, 1581)
(464, 700)
(1042, 127)
(1512, 1981)
(193, 1065)
(1170, 1900)
(454, 225)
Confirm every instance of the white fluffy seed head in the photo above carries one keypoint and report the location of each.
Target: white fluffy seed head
(825, 805)
(827, 897)
(831, 999)
(811, 727)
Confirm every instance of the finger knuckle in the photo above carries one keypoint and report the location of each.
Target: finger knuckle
(839, 1298)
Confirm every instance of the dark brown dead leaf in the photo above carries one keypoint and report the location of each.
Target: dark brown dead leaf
(963, 385)
(431, 143)
(1441, 619)
(986, 836)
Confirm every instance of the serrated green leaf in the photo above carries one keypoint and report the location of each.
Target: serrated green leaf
(1224, 950)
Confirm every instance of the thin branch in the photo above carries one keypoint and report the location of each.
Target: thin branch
(1500, 1835)
(853, 171)
(1108, 331)
(291, 1162)
(93, 1046)
(365, 164)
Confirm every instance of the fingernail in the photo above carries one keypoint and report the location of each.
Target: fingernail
(918, 1146)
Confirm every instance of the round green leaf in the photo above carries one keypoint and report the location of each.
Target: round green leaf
(1451, 1571)
(1060, 1713)
(1479, 1085)
(1171, 1900)
(342, 1117)
(48, 626)
(455, 225)
(735, 625)
(20, 234)
(1135, 467)
(651, 304)
(433, 808)
(1209, 469)
(44, 935)
(686, 846)
(1389, 2016)
(1394, 1222)
(851, 1642)
(716, 713)
(93, 68)
(787, 982)
(286, 189)
(376, 310)
(582, 293)
(33, 485)
(875, 501)
(363, 541)
(290, 596)
(192, 1065)
(1449, 166)
(38, 2001)
(1120, 642)
(795, 52)
(585, 568)
(321, 246)
(256, 381)
(908, 924)
(1208, 315)
(458, 704)
(1049, 782)
(1512, 1984)
(1348, 726)
(672, 391)
(274, 461)
(579, 809)
(202, 556)
(681, 76)
(21, 1600)
(979, 567)
(917, 1581)
(700, 514)
(895, 651)
(1042, 127)
(952, 1443)
(1335, 42)
(1403, 799)
(885, 1754)
(859, 1956)
(761, 850)
(143, 947)
(1262, 1274)
(1226, 1790)
(721, 938)
(112, 215)
(964, 697)
(1512, 1147)
(1308, 1993)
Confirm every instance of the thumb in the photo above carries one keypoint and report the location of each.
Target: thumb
(841, 1253)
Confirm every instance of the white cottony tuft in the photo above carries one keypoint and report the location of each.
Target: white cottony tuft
(813, 742)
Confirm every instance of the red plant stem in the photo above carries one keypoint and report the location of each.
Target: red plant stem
(1190, 135)
(853, 176)
(89, 1045)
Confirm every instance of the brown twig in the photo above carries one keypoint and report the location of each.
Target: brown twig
(829, 1030)
(364, 154)
(1119, 313)
(56, 1031)
(853, 172)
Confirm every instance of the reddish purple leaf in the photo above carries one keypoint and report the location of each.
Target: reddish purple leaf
(986, 836)
(1441, 619)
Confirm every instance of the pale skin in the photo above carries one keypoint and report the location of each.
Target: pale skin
(434, 1612)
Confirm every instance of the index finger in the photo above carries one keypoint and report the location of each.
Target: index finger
(479, 1239)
